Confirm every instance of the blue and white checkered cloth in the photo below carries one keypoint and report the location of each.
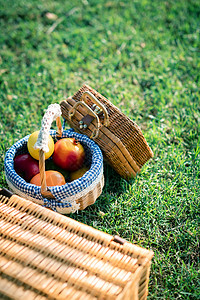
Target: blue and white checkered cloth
(61, 193)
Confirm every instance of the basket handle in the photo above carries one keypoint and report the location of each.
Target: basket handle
(83, 103)
(91, 97)
(72, 112)
(52, 113)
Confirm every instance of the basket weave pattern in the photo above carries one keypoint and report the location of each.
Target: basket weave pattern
(84, 191)
(122, 142)
(44, 255)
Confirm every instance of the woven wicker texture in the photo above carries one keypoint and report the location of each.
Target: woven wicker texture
(83, 191)
(44, 255)
(122, 142)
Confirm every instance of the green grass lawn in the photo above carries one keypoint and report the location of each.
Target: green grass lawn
(143, 56)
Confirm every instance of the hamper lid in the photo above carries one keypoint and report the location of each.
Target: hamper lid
(120, 139)
(44, 255)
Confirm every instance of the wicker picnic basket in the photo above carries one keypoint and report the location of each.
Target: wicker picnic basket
(121, 140)
(72, 196)
(44, 255)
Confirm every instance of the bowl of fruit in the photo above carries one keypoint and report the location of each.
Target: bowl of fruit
(59, 169)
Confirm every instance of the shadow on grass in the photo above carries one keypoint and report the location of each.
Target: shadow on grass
(114, 183)
(114, 186)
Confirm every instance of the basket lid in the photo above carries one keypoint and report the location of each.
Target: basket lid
(121, 140)
(46, 255)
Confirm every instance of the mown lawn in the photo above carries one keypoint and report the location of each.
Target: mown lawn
(144, 57)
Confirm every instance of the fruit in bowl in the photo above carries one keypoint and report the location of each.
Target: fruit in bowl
(68, 154)
(78, 173)
(35, 152)
(50, 165)
(53, 178)
(26, 166)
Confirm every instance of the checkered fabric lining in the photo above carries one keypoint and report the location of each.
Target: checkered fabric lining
(95, 160)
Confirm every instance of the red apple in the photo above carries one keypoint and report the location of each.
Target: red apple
(26, 166)
(68, 154)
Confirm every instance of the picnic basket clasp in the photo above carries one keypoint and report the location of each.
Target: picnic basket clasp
(98, 108)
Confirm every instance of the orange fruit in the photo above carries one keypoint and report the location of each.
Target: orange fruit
(35, 152)
(52, 178)
(79, 173)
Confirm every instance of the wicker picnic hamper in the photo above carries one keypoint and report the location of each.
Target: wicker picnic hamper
(67, 198)
(121, 140)
(44, 255)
